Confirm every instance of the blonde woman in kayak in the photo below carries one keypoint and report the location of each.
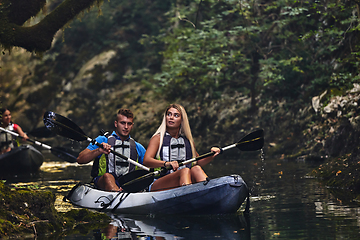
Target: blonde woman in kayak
(171, 144)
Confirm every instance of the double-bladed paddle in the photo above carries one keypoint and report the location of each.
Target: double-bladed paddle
(57, 151)
(251, 142)
(66, 128)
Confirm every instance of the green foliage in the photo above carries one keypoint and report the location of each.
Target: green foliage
(334, 44)
(284, 49)
(199, 60)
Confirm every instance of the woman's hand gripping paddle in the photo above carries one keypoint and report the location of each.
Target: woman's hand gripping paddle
(134, 182)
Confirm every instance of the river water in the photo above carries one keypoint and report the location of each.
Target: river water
(286, 203)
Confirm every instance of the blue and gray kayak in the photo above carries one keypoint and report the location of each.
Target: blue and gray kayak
(216, 196)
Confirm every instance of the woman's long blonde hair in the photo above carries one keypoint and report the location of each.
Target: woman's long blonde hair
(184, 128)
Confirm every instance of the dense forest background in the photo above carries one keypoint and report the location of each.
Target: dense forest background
(289, 67)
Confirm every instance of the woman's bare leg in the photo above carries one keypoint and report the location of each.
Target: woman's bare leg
(197, 174)
(176, 179)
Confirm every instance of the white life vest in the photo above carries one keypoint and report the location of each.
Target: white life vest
(119, 165)
(175, 149)
(7, 139)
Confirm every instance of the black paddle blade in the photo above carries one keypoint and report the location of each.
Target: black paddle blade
(252, 142)
(41, 132)
(64, 154)
(63, 126)
(135, 181)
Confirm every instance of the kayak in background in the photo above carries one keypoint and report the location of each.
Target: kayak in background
(22, 159)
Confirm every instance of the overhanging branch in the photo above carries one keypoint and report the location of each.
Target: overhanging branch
(39, 37)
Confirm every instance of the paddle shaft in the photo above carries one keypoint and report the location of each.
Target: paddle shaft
(180, 164)
(200, 157)
(222, 149)
(33, 141)
(151, 174)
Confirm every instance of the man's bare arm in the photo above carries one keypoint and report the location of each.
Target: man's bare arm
(88, 155)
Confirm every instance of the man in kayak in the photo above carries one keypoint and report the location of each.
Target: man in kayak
(6, 139)
(173, 143)
(107, 167)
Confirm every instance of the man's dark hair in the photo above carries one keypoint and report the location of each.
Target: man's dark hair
(126, 112)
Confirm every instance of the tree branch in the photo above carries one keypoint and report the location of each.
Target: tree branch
(20, 11)
(39, 37)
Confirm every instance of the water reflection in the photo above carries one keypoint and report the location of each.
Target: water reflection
(180, 227)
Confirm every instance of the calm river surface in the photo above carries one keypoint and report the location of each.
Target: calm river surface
(285, 204)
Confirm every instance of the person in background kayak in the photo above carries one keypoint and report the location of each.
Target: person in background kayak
(172, 143)
(6, 139)
(107, 167)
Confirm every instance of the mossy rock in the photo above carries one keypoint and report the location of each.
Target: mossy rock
(28, 211)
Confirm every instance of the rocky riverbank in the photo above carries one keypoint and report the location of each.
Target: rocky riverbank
(30, 213)
(330, 133)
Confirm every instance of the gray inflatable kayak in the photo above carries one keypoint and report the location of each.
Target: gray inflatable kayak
(22, 159)
(216, 196)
